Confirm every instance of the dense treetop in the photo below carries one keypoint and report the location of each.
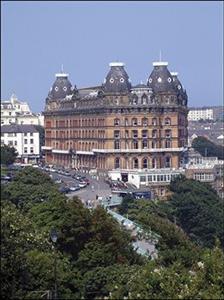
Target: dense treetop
(207, 148)
(95, 257)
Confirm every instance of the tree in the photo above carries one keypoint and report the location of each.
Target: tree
(207, 148)
(8, 155)
(198, 210)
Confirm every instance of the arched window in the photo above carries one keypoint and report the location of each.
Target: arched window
(154, 163)
(144, 99)
(144, 163)
(117, 144)
(135, 163)
(167, 121)
(154, 121)
(167, 162)
(168, 133)
(117, 163)
(116, 122)
(154, 133)
(144, 122)
(116, 134)
(135, 99)
(144, 144)
(134, 122)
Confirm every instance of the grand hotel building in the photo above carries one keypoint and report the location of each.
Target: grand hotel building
(118, 127)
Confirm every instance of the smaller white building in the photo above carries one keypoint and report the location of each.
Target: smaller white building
(196, 114)
(25, 139)
(14, 111)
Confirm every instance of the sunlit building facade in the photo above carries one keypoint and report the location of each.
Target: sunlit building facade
(117, 126)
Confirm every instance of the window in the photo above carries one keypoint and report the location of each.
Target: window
(10, 143)
(116, 122)
(126, 122)
(134, 133)
(154, 164)
(144, 163)
(154, 133)
(25, 150)
(144, 133)
(144, 144)
(154, 144)
(168, 144)
(31, 141)
(144, 122)
(135, 163)
(142, 178)
(144, 99)
(15, 143)
(154, 121)
(167, 162)
(116, 144)
(134, 122)
(116, 134)
(126, 134)
(135, 100)
(10, 134)
(167, 121)
(135, 144)
(168, 133)
(117, 163)
(31, 134)
(31, 149)
(25, 141)
(25, 134)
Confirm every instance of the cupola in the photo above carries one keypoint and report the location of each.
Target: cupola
(117, 80)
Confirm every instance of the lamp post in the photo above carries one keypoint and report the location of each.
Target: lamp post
(54, 237)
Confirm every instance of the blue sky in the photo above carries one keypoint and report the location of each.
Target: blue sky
(37, 37)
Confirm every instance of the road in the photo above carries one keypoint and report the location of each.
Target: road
(96, 187)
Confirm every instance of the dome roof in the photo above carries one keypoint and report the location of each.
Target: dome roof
(117, 80)
(62, 87)
(177, 82)
(160, 80)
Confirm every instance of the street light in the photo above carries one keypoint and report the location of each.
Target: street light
(54, 237)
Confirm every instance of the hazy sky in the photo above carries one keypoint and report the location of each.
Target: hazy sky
(37, 37)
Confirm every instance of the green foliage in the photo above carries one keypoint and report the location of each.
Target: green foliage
(127, 201)
(197, 209)
(8, 155)
(30, 186)
(93, 255)
(207, 148)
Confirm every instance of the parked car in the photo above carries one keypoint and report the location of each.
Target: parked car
(82, 184)
(74, 188)
(64, 190)
(58, 181)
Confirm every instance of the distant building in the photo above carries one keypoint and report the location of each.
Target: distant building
(206, 169)
(25, 139)
(14, 111)
(203, 113)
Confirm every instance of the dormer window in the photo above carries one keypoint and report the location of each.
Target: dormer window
(111, 80)
(122, 80)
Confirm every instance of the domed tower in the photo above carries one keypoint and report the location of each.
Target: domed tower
(117, 80)
(160, 80)
(61, 88)
(182, 95)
